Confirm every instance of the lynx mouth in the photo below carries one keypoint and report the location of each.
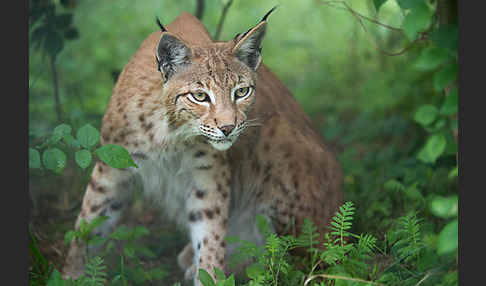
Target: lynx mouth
(221, 144)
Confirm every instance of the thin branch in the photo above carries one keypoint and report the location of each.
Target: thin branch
(330, 3)
(57, 101)
(423, 279)
(328, 276)
(221, 20)
(359, 17)
(199, 9)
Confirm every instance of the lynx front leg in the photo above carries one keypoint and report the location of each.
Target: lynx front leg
(207, 210)
(106, 195)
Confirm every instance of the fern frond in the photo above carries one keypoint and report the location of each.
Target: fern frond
(341, 222)
(394, 185)
(366, 243)
(309, 235)
(409, 242)
(95, 272)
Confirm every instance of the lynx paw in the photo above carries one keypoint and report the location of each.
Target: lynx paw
(74, 265)
(190, 272)
(71, 271)
(185, 258)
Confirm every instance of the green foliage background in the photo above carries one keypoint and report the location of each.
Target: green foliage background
(392, 120)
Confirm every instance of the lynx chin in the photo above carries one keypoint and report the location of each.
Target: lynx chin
(217, 139)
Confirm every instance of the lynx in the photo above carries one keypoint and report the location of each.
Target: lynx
(217, 139)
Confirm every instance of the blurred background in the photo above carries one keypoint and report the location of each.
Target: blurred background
(378, 78)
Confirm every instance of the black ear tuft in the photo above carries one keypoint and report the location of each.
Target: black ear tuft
(160, 25)
(248, 46)
(171, 54)
(268, 13)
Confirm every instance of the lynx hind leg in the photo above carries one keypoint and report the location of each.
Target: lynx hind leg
(107, 194)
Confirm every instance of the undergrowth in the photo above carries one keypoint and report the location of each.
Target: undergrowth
(346, 258)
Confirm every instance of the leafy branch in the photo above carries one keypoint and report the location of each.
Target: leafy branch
(421, 32)
(87, 138)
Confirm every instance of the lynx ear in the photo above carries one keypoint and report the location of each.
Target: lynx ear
(171, 54)
(248, 46)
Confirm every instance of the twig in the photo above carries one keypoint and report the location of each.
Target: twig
(221, 20)
(199, 9)
(329, 3)
(57, 101)
(360, 18)
(423, 279)
(328, 276)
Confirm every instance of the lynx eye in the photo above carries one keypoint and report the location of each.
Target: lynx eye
(200, 96)
(242, 92)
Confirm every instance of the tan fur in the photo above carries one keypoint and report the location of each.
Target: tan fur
(279, 164)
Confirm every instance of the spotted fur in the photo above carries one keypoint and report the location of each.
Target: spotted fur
(213, 164)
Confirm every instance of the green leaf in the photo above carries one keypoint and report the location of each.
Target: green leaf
(433, 148)
(410, 4)
(55, 279)
(54, 159)
(70, 141)
(219, 274)
(122, 233)
(426, 114)
(158, 273)
(378, 4)
(54, 43)
(446, 36)
(97, 240)
(88, 136)
(145, 251)
(38, 36)
(417, 20)
(445, 76)
(444, 207)
(450, 103)
(431, 58)
(129, 250)
(205, 278)
(94, 223)
(453, 173)
(454, 124)
(69, 236)
(230, 281)
(62, 130)
(138, 275)
(393, 185)
(140, 231)
(34, 159)
(82, 158)
(448, 238)
(413, 193)
(115, 156)
(451, 147)
(255, 270)
(63, 20)
(71, 33)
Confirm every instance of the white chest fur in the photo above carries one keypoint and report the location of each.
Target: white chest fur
(166, 178)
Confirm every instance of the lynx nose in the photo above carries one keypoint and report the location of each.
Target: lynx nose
(227, 129)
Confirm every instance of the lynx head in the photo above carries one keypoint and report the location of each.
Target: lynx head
(209, 89)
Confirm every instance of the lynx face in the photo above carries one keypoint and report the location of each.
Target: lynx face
(210, 89)
(212, 103)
